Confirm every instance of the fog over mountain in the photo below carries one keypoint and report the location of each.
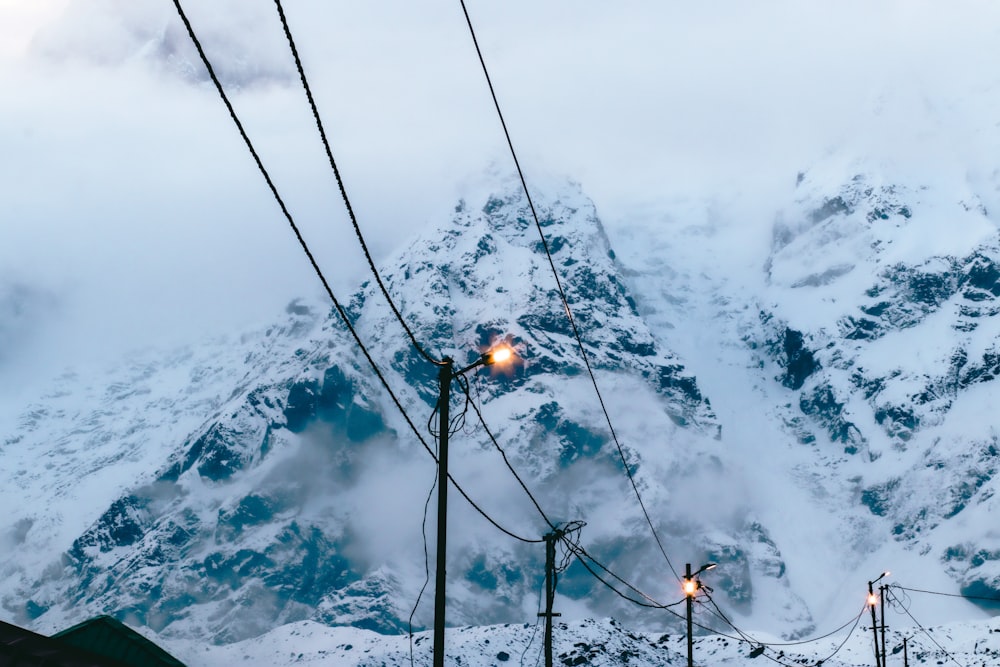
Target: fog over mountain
(777, 230)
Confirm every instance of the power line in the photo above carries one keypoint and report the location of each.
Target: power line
(849, 635)
(583, 556)
(562, 292)
(534, 630)
(343, 189)
(925, 631)
(742, 635)
(950, 595)
(572, 547)
(798, 642)
(465, 389)
(427, 563)
(339, 308)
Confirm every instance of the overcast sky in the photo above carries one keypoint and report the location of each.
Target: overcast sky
(132, 213)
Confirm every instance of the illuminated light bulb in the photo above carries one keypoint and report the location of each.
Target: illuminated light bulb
(873, 599)
(500, 355)
(690, 587)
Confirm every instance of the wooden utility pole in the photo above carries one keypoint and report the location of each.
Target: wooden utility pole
(690, 598)
(550, 589)
(883, 589)
(871, 605)
(445, 376)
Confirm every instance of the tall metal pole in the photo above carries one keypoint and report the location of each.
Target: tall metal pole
(882, 591)
(445, 376)
(906, 659)
(690, 602)
(871, 605)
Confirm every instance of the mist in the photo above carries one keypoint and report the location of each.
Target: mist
(134, 212)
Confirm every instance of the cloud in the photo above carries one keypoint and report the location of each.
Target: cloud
(128, 192)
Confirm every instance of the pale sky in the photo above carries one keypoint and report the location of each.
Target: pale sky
(134, 214)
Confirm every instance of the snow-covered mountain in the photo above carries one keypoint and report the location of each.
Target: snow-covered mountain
(808, 416)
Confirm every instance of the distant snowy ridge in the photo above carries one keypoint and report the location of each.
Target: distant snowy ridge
(816, 408)
(295, 498)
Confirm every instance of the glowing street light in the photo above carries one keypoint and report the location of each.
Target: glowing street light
(499, 355)
(447, 373)
(690, 586)
(872, 601)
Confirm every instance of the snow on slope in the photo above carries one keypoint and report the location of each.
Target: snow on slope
(288, 489)
(849, 349)
(594, 643)
(297, 493)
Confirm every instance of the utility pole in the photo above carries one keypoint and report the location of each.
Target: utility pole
(906, 659)
(883, 589)
(447, 373)
(550, 589)
(445, 376)
(871, 605)
(690, 601)
(690, 585)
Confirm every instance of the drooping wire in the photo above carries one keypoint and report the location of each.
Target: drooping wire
(427, 562)
(343, 189)
(799, 642)
(583, 557)
(573, 547)
(849, 634)
(562, 293)
(503, 453)
(926, 632)
(326, 285)
(743, 636)
(538, 618)
(571, 544)
(951, 595)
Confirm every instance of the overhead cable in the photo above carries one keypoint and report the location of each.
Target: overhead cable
(951, 595)
(573, 547)
(562, 292)
(427, 563)
(924, 630)
(339, 308)
(343, 189)
(468, 401)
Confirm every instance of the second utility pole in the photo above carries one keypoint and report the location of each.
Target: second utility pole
(883, 589)
(550, 589)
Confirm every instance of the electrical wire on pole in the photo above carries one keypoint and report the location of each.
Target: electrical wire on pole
(745, 637)
(343, 189)
(982, 598)
(341, 312)
(562, 294)
(926, 632)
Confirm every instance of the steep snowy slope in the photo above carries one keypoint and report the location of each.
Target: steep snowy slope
(851, 352)
(289, 488)
(223, 490)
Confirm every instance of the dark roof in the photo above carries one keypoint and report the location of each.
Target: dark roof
(109, 637)
(20, 648)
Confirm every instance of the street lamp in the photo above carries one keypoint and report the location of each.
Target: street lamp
(690, 586)
(447, 373)
(872, 601)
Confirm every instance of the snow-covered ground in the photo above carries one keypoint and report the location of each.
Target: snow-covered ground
(594, 643)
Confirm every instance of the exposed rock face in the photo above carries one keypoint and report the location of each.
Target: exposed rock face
(856, 366)
(264, 514)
